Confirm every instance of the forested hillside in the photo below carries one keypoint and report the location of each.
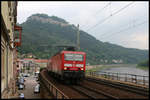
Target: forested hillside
(41, 32)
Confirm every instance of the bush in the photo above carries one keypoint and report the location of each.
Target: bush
(144, 63)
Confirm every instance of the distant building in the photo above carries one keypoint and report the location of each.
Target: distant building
(120, 61)
(30, 55)
(28, 65)
(32, 64)
(106, 61)
(117, 61)
(41, 62)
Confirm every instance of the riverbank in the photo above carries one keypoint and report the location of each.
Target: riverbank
(143, 67)
(101, 67)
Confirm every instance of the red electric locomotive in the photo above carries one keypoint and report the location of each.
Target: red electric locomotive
(68, 65)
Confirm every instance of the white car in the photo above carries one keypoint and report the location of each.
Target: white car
(28, 75)
(37, 88)
(38, 85)
(21, 96)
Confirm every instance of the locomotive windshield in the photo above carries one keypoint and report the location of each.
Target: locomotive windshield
(74, 57)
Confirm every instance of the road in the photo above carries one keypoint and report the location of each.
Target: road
(30, 83)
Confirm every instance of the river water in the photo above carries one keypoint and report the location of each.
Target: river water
(127, 68)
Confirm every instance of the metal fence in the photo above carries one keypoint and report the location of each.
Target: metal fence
(137, 79)
(52, 89)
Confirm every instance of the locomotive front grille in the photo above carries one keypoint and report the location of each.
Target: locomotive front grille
(73, 74)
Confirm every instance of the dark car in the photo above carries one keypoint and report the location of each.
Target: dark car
(25, 75)
(21, 86)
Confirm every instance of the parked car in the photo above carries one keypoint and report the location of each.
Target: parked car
(38, 85)
(28, 75)
(37, 79)
(21, 96)
(21, 80)
(21, 86)
(25, 75)
(38, 82)
(37, 88)
(35, 76)
(17, 82)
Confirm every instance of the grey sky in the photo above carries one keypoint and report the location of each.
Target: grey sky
(128, 28)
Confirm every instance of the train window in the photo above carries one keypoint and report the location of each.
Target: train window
(74, 57)
(68, 56)
(78, 57)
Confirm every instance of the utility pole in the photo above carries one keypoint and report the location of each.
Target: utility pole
(78, 38)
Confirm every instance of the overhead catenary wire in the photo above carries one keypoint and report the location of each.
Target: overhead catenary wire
(102, 8)
(101, 21)
(124, 40)
(98, 12)
(126, 29)
(135, 20)
(110, 9)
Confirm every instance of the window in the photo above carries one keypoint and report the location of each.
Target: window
(9, 3)
(74, 57)
(2, 62)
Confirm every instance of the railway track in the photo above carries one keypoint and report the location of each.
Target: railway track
(93, 93)
(87, 92)
(78, 91)
(72, 94)
(92, 88)
(122, 87)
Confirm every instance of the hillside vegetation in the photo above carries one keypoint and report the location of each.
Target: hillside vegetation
(41, 32)
(144, 63)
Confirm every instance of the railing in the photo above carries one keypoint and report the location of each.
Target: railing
(137, 79)
(55, 91)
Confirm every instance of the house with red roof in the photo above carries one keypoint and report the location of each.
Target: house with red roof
(41, 62)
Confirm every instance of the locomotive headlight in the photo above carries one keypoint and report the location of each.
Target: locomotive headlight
(65, 68)
(82, 69)
(68, 65)
(79, 65)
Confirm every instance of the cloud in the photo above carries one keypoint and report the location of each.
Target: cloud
(136, 39)
(140, 39)
(88, 14)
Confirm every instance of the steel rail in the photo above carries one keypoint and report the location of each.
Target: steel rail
(76, 88)
(101, 92)
(120, 86)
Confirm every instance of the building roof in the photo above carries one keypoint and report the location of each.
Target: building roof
(34, 60)
(28, 59)
(41, 60)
